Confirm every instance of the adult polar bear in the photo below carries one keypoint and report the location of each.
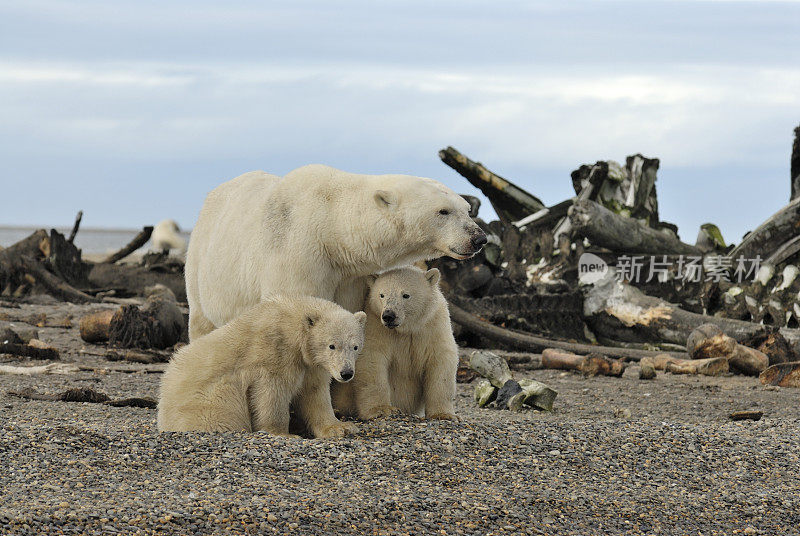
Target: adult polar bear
(317, 231)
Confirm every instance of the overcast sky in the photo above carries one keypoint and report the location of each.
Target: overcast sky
(133, 111)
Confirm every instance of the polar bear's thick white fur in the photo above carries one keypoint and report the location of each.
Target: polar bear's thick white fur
(246, 374)
(317, 231)
(166, 236)
(410, 357)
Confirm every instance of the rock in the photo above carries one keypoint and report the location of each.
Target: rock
(506, 392)
(746, 415)
(485, 393)
(646, 369)
(534, 394)
(707, 341)
(491, 366)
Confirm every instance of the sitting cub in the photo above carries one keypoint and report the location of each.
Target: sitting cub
(410, 357)
(246, 374)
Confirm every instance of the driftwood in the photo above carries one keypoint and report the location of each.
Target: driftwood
(713, 366)
(95, 327)
(28, 350)
(511, 202)
(783, 375)
(620, 234)
(770, 235)
(159, 323)
(593, 364)
(746, 415)
(86, 394)
(75, 227)
(503, 390)
(51, 368)
(621, 312)
(132, 280)
(708, 341)
(532, 343)
(138, 241)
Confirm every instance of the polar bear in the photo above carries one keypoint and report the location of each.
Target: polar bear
(410, 357)
(317, 231)
(245, 375)
(166, 236)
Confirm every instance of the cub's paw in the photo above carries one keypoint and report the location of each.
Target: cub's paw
(378, 412)
(442, 417)
(339, 429)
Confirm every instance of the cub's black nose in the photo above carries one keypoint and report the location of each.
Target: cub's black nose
(388, 316)
(478, 241)
(347, 375)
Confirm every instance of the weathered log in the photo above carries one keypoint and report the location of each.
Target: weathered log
(511, 202)
(75, 227)
(593, 364)
(748, 361)
(532, 343)
(28, 350)
(55, 286)
(746, 415)
(775, 347)
(770, 235)
(620, 234)
(159, 323)
(138, 241)
(783, 375)
(95, 327)
(786, 250)
(86, 394)
(713, 366)
(708, 340)
(135, 356)
(129, 280)
(622, 312)
(51, 368)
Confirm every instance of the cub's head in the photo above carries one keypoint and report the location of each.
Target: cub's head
(334, 339)
(403, 298)
(433, 215)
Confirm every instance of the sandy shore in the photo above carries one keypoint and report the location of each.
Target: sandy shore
(617, 456)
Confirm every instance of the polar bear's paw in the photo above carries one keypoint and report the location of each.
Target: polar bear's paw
(379, 412)
(339, 429)
(442, 417)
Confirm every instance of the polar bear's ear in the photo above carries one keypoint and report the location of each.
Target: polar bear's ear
(311, 320)
(361, 316)
(385, 198)
(371, 279)
(432, 276)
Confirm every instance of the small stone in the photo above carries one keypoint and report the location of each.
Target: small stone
(272, 518)
(747, 415)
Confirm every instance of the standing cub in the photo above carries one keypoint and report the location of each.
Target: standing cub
(246, 374)
(410, 359)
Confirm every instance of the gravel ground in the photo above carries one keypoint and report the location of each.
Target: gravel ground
(618, 456)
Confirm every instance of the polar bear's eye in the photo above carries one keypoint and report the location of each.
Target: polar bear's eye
(406, 296)
(332, 347)
(444, 212)
(355, 347)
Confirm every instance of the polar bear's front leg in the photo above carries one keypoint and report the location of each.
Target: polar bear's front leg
(314, 405)
(270, 401)
(439, 387)
(373, 391)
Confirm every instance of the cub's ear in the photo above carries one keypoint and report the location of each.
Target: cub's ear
(361, 316)
(311, 320)
(385, 199)
(433, 276)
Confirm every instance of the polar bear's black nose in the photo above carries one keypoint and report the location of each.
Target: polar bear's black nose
(388, 316)
(479, 240)
(347, 375)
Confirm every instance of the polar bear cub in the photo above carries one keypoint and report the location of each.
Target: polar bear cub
(246, 374)
(410, 359)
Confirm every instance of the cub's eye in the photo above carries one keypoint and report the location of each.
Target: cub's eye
(355, 347)
(332, 347)
(406, 296)
(381, 295)
(444, 212)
